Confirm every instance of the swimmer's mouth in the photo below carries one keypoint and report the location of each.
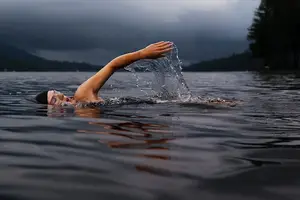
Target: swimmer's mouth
(69, 99)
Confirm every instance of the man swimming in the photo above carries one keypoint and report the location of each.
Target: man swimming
(87, 92)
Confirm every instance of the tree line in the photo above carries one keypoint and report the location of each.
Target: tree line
(235, 62)
(275, 34)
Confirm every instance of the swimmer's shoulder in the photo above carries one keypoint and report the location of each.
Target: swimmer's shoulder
(87, 98)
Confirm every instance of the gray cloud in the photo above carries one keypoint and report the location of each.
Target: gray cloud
(96, 31)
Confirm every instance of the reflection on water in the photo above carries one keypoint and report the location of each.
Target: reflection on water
(123, 135)
(135, 135)
(139, 149)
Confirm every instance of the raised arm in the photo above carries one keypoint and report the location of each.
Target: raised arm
(88, 91)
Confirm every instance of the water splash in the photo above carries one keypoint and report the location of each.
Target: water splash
(168, 82)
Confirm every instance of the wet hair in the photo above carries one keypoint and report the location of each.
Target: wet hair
(42, 98)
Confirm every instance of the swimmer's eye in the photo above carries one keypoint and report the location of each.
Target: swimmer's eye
(53, 101)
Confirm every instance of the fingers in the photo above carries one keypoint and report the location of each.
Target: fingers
(158, 43)
(163, 53)
(165, 47)
(163, 43)
(165, 50)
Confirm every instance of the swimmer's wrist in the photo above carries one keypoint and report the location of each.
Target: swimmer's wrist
(141, 55)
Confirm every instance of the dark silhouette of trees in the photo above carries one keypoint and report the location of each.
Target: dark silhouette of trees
(236, 62)
(274, 34)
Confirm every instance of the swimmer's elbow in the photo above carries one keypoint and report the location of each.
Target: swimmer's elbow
(124, 60)
(112, 67)
(115, 65)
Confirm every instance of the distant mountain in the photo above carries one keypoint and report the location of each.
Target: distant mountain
(14, 59)
(235, 62)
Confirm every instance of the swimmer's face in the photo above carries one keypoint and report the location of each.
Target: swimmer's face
(57, 98)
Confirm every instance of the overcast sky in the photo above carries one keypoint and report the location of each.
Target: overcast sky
(98, 30)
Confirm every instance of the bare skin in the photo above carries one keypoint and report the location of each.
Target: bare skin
(88, 91)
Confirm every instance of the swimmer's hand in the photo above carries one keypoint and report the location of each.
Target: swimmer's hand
(156, 50)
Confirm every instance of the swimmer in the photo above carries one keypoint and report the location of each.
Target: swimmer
(88, 91)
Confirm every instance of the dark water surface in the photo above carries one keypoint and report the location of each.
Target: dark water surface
(139, 149)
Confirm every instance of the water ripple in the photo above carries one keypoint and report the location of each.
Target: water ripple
(142, 147)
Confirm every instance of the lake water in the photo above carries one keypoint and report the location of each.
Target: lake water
(143, 147)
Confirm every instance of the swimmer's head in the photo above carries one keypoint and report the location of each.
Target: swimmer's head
(52, 97)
